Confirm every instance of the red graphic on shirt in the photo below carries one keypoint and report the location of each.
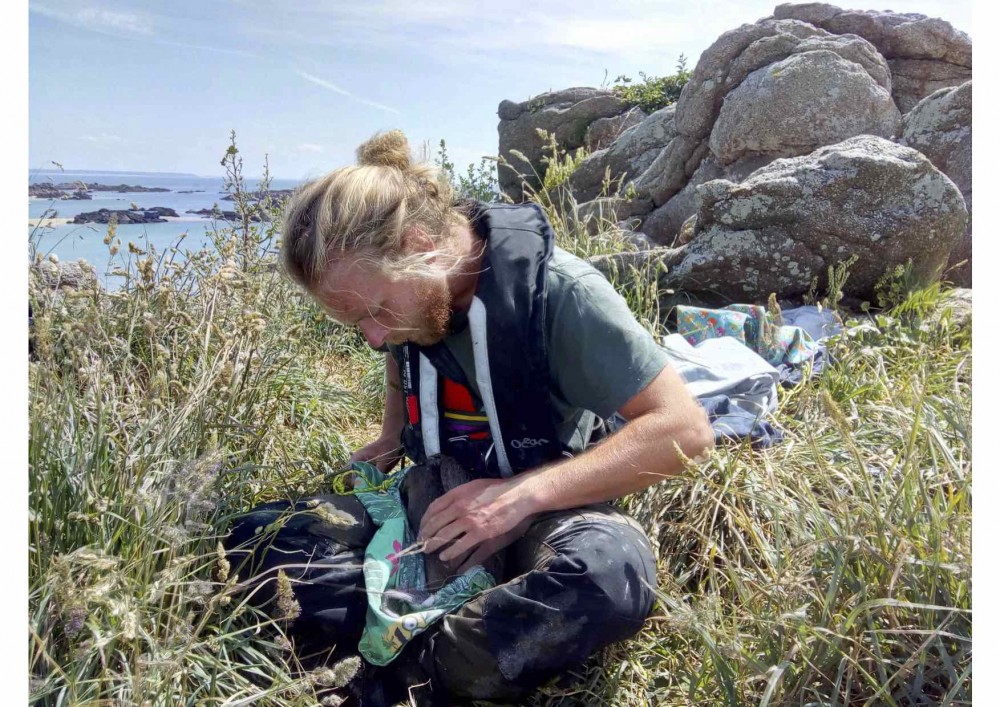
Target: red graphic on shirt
(458, 398)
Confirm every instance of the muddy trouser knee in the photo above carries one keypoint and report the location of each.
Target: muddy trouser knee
(320, 545)
(580, 580)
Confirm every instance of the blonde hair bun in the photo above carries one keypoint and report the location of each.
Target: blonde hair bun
(388, 149)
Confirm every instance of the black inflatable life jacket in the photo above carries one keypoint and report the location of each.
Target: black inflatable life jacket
(507, 325)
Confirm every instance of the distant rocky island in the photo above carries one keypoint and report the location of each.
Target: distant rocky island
(276, 194)
(49, 191)
(124, 216)
(81, 190)
(227, 215)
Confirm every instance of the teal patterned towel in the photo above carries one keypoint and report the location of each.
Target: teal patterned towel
(751, 324)
(399, 606)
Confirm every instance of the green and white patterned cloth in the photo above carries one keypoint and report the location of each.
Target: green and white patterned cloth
(753, 327)
(399, 605)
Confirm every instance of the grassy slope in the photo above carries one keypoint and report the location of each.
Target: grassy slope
(831, 569)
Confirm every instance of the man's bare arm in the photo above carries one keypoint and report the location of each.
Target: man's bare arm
(393, 417)
(663, 418)
(386, 451)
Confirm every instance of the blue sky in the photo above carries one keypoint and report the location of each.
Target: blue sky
(125, 85)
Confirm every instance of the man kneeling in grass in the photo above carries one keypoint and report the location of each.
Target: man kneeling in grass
(507, 355)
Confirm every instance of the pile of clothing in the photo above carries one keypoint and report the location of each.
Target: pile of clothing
(733, 360)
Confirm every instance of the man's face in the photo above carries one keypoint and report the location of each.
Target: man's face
(415, 310)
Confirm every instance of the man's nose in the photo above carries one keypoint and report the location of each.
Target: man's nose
(375, 334)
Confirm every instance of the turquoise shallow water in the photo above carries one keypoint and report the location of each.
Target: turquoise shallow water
(75, 241)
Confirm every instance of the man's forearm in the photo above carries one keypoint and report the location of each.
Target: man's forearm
(635, 457)
(479, 517)
(393, 416)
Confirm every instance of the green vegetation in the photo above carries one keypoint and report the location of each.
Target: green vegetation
(206, 385)
(479, 182)
(653, 92)
(832, 569)
(582, 232)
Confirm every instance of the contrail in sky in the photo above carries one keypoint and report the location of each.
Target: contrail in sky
(336, 89)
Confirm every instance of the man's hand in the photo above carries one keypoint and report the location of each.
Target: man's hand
(384, 453)
(476, 520)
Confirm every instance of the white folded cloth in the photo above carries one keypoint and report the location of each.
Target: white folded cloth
(724, 366)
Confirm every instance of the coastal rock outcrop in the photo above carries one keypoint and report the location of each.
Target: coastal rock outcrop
(120, 188)
(604, 131)
(81, 190)
(802, 102)
(784, 224)
(126, 216)
(629, 155)
(940, 126)
(775, 88)
(811, 75)
(924, 53)
(227, 214)
(274, 194)
(566, 114)
(64, 276)
(43, 190)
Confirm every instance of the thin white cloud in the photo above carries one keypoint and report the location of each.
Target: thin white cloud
(336, 89)
(121, 21)
(464, 34)
(206, 48)
(628, 32)
(99, 19)
(104, 139)
(127, 25)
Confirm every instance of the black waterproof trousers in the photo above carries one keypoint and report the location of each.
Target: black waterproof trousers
(576, 581)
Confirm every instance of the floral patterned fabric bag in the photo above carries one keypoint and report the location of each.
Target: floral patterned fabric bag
(752, 326)
(399, 605)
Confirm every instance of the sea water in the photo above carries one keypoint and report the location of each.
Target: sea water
(70, 242)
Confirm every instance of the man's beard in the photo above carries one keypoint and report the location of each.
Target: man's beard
(435, 300)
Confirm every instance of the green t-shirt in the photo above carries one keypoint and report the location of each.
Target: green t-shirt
(599, 355)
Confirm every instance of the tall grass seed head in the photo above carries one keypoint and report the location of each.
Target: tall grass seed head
(145, 266)
(73, 620)
(200, 590)
(193, 485)
(331, 515)
(345, 670)
(288, 606)
(337, 676)
(222, 566)
(175, 536)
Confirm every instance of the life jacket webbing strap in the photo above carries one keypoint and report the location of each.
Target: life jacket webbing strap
(406, 378)
(430, 420)
(477, 328)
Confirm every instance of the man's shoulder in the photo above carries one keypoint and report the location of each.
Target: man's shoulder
(566, 268)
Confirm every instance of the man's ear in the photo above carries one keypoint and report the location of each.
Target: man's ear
(416, 241)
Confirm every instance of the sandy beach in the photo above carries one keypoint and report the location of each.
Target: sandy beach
(47, 222)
